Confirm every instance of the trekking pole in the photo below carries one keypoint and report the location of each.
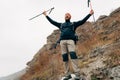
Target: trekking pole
(42, 13)
(93, 14)
(89, 3)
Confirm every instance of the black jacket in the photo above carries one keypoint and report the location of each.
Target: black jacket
(68, 28)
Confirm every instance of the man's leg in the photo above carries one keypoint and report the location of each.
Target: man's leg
(64, 51)
(74, 60)
(75, 68)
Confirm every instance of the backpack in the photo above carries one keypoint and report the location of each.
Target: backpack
(58, 41)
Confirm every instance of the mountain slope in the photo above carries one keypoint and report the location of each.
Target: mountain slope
(98, 50)
(15, 76)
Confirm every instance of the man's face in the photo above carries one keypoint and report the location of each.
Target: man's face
(67, 16)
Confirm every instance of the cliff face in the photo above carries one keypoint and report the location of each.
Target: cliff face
(98, 50)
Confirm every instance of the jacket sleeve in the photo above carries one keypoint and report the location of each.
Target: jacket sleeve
(80, 22)
(53, 22)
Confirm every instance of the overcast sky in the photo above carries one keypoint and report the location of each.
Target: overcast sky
(20, 39)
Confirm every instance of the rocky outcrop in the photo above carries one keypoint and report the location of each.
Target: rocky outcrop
(117, 11)
(98, 50)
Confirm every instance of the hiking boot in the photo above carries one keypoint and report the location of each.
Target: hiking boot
(67, 77)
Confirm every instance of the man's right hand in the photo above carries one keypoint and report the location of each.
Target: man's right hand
(45, 13)
(91, 12)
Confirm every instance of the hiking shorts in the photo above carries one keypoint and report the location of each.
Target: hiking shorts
(67, 46)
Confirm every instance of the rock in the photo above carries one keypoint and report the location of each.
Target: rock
(97, 51)
(115, 11)
(115, 73)
(102, 17)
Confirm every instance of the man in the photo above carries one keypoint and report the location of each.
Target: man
(67, 42)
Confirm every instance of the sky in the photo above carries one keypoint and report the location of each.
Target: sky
(21, 38)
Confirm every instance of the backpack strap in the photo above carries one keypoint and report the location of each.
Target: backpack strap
(73, 26)
(61, 26)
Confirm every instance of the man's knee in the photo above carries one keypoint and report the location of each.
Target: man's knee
(73, 55)
(65, 57)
